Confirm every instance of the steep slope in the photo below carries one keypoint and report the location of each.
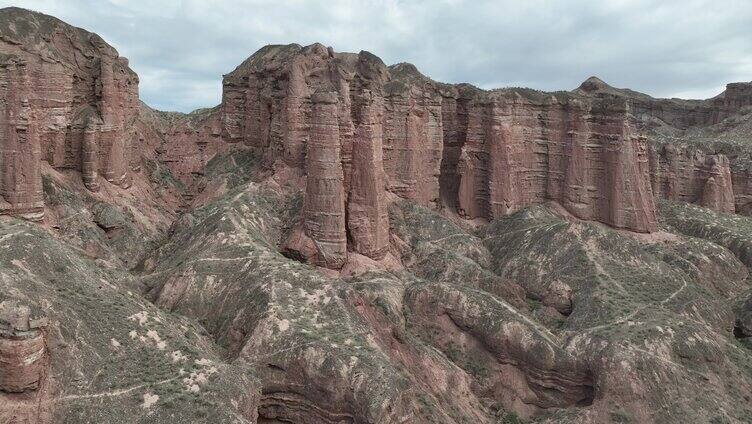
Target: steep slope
(345, 241)
(105, 351)
(304, 106)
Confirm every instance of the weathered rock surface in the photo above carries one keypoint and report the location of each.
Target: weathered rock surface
(309, 111)
(67, 99)
(691, 141)
(523, 148)
(183, 297)
(689, 175)
(483, 154)
(22, 348)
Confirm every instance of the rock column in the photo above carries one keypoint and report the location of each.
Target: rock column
(324, 209)
(20, 155)
(22, 348)
(368, 219)
(90, 157)
(718, 193)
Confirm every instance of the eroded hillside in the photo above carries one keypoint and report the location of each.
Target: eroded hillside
(342, 241)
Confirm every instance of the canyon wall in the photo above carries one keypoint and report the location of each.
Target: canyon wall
(482, 154)
(485, 154)
(372, 133)
(66, 98)
(695, 154)
(359, 130)
(689, 175)
(512, 149)
(309, 111)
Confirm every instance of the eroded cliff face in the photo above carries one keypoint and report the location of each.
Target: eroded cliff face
(391, 130)
(697, 152)
(689, 175)
(513, 150)
(373, 133)
(67, 99)
(319, 114)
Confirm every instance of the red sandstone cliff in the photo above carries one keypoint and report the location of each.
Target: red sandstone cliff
(483, 154)
(68, 99)
(310, 111)
(518, 148)
(689, 175)
(687, 159)
(372, 132)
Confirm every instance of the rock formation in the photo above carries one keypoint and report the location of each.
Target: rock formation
(517, 150)
(21, 181)
(309, 111)
(22, 348)
(689, 175)
(679, 170)
(67, 99)
(324, 208)
(367, 215)
(171, 302)
(483, 154)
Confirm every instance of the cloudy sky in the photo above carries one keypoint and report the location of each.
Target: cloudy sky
(181, 48)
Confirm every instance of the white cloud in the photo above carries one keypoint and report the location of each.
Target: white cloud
(181, 48)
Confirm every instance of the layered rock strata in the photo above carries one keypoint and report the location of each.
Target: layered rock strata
(514, 151)
(681, 170)
(691, 176)
(678, 113)
(482, 154)
(370, 130)
(324, 209)
(67, 99)
(21, 181)
(309, 111)
(22, 348)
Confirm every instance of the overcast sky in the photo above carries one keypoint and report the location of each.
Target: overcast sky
(181, 48)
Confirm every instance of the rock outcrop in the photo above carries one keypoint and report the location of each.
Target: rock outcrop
(324, 208)
(522, 148)
(689, 175)
(67, 99)
(310, 111)
(692, 140)
(484, 154)
(23, 348)
(21, 181)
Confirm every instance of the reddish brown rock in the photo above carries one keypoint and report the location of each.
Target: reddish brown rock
(22, 348)
(308, 110)
(324, 208)
(367, 215)
(183, 143)
(678, 174)
(485, 154)
(737, 95)
(69, 99)
(413, 135)
(689, 175)
(21, 181)
(521, 150)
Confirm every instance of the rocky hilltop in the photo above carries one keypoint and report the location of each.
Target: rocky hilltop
(345, 241)
(69, 99)
(340, 119)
